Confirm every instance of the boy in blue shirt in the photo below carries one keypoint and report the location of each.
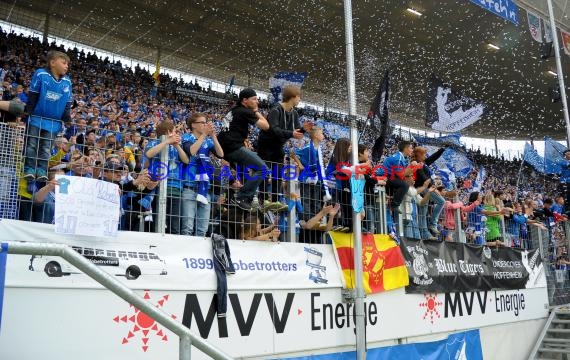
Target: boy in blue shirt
(198, 145)
(172, 171)
(49, 103)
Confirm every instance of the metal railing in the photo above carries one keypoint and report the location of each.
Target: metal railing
(187, 339)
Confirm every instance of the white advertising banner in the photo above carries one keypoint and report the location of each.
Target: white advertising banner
(170, 262)
(87, 207)
(270, 310)
(63, 323)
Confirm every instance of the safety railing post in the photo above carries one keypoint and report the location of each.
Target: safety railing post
(459, 234)
(185, 348)
(381, 210)
(504, 233)
(161, 172)
(291, 215)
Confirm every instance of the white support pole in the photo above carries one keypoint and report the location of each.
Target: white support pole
(161, 172)
(356, 225)
(559, 70)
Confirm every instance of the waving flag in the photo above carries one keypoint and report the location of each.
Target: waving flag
(531, 157)
(553, 153)
(447, 178)
(383, 264)
(448, 110)
(278, 81)
(378, 116)
(453, 159)
(481, 175)
(534, 26)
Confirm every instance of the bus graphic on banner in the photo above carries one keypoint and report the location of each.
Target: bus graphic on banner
(128, 263)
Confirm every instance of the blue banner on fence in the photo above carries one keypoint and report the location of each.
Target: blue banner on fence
(3, 257)
(463, 345)
(506, 9)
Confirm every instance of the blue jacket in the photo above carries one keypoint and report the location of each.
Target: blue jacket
(392, 161)
(309, 157)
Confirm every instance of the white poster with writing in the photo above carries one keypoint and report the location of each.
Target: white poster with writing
(86, 207)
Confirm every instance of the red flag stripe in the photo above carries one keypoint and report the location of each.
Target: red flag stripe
(346, 258)
(393, 258)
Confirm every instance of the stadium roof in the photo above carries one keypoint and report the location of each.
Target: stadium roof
(255, 39)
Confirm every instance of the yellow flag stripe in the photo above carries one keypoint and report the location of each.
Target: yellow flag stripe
(395, 277)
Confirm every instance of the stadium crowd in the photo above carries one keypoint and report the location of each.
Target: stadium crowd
(109, 122)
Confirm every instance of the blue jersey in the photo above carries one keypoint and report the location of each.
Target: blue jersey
(53, 97)
(174, 166)
(199, 163)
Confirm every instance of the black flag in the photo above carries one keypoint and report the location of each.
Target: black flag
(448, 110)
(378, 116)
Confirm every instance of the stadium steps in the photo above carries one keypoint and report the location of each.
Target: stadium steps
(554, 340)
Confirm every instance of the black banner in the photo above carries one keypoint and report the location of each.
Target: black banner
(442, 267)
(449, 111)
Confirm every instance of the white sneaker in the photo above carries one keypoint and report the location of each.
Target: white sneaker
(202, 199)
(255, 202)
(203, 177)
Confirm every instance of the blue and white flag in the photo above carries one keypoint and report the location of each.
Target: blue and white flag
(553, 154)
(481, 175)
(454, 160)
(506, 9)
(531, 157)
(447, 177)
(278, 81)
(534, 26)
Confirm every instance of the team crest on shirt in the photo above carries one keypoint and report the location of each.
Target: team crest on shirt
(66, 89)
(52, 96)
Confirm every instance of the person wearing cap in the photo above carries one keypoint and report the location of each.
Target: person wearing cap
(565, 178)
(232, 136)
(113, 170)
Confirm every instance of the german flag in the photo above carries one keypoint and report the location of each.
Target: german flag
(382, 261)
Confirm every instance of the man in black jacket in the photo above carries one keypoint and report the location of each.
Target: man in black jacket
(232, 136)
(284, 125)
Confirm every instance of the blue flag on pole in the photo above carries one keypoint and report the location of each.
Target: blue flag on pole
(3, 257)
(553, 154)
(278, 81)
(531, 157)
(454, 158)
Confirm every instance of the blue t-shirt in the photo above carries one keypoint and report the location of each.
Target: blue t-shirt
(474, 217)
(53, 97)
(174, 165)
(199, 163)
